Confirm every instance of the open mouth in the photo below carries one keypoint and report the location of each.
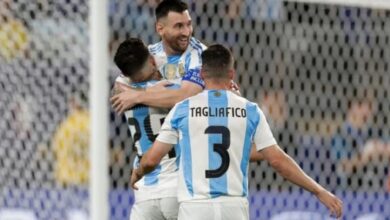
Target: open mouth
(183, 41)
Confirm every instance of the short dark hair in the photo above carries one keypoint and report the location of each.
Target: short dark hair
(166, 6)
(131, 56)
(217, 60)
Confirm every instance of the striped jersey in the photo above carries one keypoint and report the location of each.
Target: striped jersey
(185, 66)
(144, 123)
(215, 130)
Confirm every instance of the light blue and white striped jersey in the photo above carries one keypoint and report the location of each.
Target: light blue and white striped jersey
(185, 66)
(215, 130)
(144, 123)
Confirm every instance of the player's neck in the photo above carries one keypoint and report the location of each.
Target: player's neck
(156, 75)
(217, 84)
(170, 51)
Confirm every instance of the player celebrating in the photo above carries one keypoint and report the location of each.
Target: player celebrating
(215, 130)
(156, 198)
(177, 56)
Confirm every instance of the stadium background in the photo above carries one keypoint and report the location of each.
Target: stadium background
(308, 60)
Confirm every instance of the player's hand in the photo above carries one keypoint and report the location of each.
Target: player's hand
(119, 88)
(160, 86)
(334, 204)
(135, 177)
(125, 100)
(235, 88)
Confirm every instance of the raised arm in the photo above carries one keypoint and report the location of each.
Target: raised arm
(290, 170)
(165, 98)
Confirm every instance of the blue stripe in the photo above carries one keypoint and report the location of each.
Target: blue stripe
(152, 178)
(196, 44)
(185, 145)
(193, 75)
(140, 113)
(174, 59)
(251, 122)
(200, 56)
(153, 48)
(218, 186)
(136, 162)
(178, 153)
(160, 47)
(197, 47)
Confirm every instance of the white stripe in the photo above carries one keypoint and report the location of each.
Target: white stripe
(199, 151)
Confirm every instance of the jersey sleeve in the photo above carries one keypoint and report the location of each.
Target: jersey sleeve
(263, 136)
(193, 63)
(169, 133)
(193, 75)
(122, 79)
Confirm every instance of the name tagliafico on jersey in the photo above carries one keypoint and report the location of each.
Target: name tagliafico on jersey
(218, 112)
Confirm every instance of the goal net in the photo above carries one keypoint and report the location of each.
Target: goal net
(319, 70)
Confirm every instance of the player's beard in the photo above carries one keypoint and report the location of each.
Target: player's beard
(177, 44)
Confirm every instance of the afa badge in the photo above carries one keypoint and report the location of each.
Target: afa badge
(181, 69)
(170, 71)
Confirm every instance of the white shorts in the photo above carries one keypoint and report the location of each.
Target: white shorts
(215, 209)
(164, 209)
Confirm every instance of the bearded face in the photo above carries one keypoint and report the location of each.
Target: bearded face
(175, 31)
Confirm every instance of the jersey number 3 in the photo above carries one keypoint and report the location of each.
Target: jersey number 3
(221, 149)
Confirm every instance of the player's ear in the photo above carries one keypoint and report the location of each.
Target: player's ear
(202, 74)
(232, 74)
(159, 27)
(152, 61)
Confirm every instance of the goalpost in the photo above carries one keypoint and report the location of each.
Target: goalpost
(99, 110)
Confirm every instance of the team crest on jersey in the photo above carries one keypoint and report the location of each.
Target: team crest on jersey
(181, 69)
(170, 71)
(217, 94)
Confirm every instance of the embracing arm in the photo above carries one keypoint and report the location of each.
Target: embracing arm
(169, 97)
(164, 98)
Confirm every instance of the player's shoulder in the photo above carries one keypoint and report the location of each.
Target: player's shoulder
(144, 84)
(180, 110)
(198, 99)
(185, 103)
(155, 48)
(196, 44)
(238, 98)
(253, 106)
(122, 79)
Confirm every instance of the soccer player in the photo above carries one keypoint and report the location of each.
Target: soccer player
(215, 130)
(156, 198)
(177, 56)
